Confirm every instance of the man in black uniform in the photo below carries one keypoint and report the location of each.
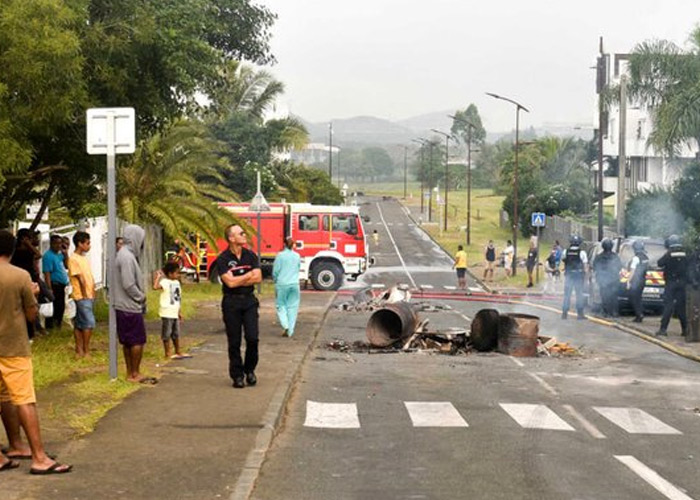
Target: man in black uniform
(675, 266)
(607, 274)
(637, 267)
(693, 299)
(575, 262)
(239, 270)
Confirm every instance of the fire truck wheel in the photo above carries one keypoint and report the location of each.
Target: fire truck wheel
(326, 276)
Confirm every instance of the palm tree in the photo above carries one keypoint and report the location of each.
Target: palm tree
(244, 89)
(174, 179)
(667, 79)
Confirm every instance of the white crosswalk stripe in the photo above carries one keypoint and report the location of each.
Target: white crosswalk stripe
(450, 287)
(332, 415)
(434, 414)
(635, 421)
(532, 416)
(427, 287)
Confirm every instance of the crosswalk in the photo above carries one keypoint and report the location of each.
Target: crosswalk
(419, 286)
(323, 415)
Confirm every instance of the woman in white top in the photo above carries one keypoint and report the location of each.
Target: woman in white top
(508, 258)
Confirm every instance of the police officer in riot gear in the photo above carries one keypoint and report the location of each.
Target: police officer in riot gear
(637, 267)
(606, 267)
(693, 298)
(675, 266)
(575, 263)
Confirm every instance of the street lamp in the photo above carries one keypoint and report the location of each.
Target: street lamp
(470, 127)
(422, 173)
(518, 107)
(330, 152)
(447, 171)
(259, 204)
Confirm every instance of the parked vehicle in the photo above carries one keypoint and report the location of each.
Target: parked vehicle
(652, 296)
(330, 240)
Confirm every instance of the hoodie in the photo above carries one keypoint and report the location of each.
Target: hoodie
(128, 289)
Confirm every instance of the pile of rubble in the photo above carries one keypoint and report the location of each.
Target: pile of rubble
(395, 326)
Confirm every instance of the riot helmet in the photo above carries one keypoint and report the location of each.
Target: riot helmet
(673, 241)
(607, 244)
(575, 240)
(638, 246)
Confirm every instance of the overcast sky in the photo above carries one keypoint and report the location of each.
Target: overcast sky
(398, 58)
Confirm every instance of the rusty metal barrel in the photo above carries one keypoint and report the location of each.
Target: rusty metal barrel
(517, 334)
(484, 330)
(390, 324)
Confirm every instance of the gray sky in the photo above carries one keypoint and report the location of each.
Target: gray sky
(398, 58)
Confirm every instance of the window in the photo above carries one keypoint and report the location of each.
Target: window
(345, 223)
(308, 222)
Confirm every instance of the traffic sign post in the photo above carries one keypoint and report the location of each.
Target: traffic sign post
(538, 220)
(111, 131)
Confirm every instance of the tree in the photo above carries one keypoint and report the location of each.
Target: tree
(376, 162)
(654, 213)
(155, 56)
(174, 180)
(686, 194)
(667, 79)
(460, 127)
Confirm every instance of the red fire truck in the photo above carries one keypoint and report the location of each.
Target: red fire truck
(330, 240)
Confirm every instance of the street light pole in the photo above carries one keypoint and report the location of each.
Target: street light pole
(518, 107)
(470, 127)
(430, 184)
(447, 171)
(421, 141)
(405, 166)
(330, 152)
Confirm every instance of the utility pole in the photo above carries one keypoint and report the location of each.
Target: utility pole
(469, 185)
(405, 166)
(601, 81)
(447, 172)
(430, 184)
(421, 141)
(330, 152)
(518, 107)
(622, 158)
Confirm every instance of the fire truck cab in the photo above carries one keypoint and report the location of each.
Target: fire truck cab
(330, 239)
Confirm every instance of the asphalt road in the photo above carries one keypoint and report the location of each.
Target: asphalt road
(618, 422)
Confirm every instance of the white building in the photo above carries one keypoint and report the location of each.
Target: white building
(646, 167)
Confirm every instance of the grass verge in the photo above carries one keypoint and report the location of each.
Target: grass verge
(78, 392)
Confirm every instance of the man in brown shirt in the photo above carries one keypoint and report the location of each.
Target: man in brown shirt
(17, 397)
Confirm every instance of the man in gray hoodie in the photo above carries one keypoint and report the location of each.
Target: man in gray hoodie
(130, 302)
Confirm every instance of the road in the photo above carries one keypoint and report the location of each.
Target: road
(620, 421)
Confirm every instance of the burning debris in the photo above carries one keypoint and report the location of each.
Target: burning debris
(367, 300)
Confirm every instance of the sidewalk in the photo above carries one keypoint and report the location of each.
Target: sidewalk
(192, 435)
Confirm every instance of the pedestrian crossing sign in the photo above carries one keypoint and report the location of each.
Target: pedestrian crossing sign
(538, 219)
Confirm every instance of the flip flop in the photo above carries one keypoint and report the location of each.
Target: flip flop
(28, 457)
(148, 380)
(56, 468)
(9, 465)
(181, 356)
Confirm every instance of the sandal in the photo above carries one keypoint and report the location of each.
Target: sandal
(148, 380)
(56, 468)
(9, 465)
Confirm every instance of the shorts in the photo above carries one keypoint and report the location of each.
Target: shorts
(131, 328)
(461, 272)
(17, 380)
(84, 315)
(170, 328)
(489, 264)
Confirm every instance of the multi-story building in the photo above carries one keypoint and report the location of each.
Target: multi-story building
(646, 167)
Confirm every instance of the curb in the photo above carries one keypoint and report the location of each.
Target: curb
(627, 329)
(245, 483)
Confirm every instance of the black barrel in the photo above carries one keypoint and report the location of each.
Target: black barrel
(484, 330)
(391, 324)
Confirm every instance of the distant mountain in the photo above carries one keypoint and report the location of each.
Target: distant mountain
(370, 130)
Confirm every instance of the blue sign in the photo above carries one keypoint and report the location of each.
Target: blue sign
(538, 219)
